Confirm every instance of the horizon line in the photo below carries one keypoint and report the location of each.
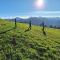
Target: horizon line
(25, 17)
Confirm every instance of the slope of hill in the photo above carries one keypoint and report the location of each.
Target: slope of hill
(16, 44)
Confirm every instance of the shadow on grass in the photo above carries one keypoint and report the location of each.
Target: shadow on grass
(44, 33)
(7, 30)
(27, 30)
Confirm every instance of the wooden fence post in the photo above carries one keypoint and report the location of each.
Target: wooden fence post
(43, 29)
(30, 25)
(15, 23)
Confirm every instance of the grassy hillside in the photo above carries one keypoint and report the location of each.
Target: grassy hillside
(16, 44)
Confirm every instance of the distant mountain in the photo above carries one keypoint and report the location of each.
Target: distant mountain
(21, 20)
(55, 21)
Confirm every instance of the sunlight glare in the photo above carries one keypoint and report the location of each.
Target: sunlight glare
(39, 4)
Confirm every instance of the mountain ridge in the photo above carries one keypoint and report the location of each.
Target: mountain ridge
(54, 21)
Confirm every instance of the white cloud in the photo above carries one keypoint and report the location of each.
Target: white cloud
(47, 12)
(10, 17)
(25, 17)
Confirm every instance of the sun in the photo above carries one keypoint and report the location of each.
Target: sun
(39, 4)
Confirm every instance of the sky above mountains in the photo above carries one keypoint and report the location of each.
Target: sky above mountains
(26, 8)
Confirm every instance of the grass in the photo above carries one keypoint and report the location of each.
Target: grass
(17, 44)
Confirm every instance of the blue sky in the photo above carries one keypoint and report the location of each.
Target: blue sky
(24, 8)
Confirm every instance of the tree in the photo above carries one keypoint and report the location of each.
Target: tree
(51, 26)
(54, 26)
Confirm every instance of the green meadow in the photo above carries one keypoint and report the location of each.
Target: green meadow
(19, 44)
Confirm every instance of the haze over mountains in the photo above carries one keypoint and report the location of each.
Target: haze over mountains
(54, 21)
